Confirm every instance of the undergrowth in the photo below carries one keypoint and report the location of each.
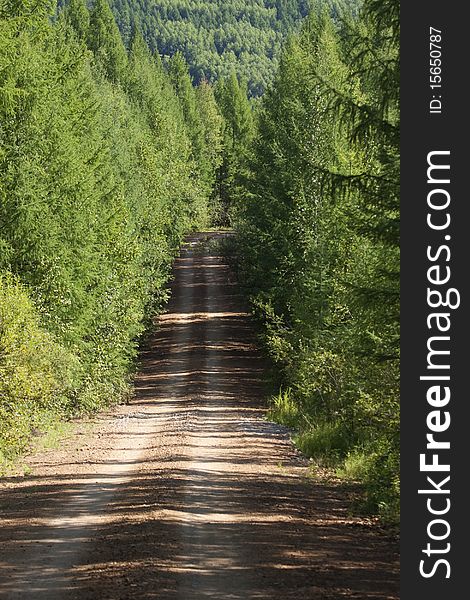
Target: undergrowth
(373, 466)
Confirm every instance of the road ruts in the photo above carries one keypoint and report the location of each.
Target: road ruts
(188, 493)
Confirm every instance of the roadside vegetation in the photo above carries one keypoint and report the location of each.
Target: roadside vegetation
(318, 221)
(106, 161)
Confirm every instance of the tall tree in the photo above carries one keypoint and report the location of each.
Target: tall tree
(212, 131)
(239, 130)
(181, 80)
(105, 41)
(77, 15)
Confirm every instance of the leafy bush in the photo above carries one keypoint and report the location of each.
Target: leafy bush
(37, 375)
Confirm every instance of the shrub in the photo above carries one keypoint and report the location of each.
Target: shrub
(37, 374)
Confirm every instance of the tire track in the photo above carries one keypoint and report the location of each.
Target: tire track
(188, 493)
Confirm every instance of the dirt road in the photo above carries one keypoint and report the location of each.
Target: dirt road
(188, 492)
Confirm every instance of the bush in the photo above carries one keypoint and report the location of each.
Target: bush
(37, 374)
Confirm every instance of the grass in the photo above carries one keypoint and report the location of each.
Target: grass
(325, 442)
(361, 466)
(284, 410)
(355, 466)
(319, 440)
(49, 437)
(329, 446)
(52, 438)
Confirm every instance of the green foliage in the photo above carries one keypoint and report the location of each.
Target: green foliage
(323, 441)
(98, 184)
(238, 133)
(105, 41)
(217, 36)
(77, 17)
(284, 409)
(179, 76)
(37, 374)
(109, 154)
(212, 146)
(318, 223)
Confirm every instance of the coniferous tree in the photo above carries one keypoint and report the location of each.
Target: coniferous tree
(212, 147)
(105, 41)
(77, 16)
(180, 78)
(239, 130)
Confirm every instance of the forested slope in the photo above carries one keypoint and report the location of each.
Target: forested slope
(216, 36)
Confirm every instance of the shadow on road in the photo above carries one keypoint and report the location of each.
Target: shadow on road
(218, 505)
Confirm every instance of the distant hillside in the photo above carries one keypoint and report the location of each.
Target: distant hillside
(216, 35)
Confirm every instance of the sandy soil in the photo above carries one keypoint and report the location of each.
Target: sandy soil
(188, 492)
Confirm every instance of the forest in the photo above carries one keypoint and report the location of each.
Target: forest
(216, 37)
(117, 138)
